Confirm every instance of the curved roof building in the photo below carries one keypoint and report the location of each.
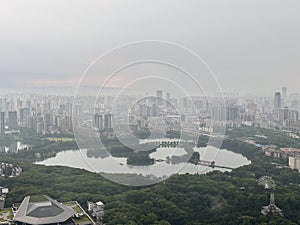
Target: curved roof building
(46, 211)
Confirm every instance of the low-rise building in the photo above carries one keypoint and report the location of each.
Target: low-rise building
(45, 210)
(281, 153)
(42, 210)
(96, 209)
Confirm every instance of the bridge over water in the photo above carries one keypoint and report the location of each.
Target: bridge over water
(211, 164)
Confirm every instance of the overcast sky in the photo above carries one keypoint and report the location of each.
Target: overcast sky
(251, 45)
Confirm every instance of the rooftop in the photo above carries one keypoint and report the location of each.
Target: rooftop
(42, 210)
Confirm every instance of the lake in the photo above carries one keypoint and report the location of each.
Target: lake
(105, 163)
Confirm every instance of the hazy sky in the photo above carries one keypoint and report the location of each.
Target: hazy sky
(251, 45)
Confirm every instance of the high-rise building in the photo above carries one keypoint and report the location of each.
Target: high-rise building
(159, 95)
(168, 95)
(64, 123)
(155, 111)
(69, 108)
(284, 92)
(24, 113)
(185, 103)
(28, 104)
(252, 107)
(2, 122)
(49, 119)
(232, 113)
(143, 110)
(293, 115)
(283, 115)
(168, 98)
(219, 113)
(40, 125)
(12, 120)
(284, 96)
(277, 102)
(98, 121)
(77, 110)
(108, 121)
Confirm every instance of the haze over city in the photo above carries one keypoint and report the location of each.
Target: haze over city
(251, 46)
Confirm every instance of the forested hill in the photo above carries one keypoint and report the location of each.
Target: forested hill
(215, 198)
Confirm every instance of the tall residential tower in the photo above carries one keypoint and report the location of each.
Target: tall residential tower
(277, 102)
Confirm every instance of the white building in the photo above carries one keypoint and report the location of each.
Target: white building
(96, 209)
(294, 162)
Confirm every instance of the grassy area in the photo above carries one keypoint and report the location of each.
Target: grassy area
(6, 214)
(38, 198)
(74, 206)
(69, 204)
(4, 211)
(77, 209)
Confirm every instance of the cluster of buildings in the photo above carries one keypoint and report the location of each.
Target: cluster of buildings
(286, 109)
(205, 113)
(103, 121)
(291, 154)
(50, 113)
(281, 111)
(281, 153)
(43, 210)
(14, 147)
(42, 114)
(9, 170)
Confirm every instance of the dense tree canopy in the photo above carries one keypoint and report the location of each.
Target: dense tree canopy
(215, 198)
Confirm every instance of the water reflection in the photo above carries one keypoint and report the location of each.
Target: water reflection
(101, 161)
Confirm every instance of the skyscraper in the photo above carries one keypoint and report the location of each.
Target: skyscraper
(2, 122)
(98, 121)
(283, 116)
(284, 96)
(219, 113)
(284, 92)
(168, 98)
(108, 121)
(232, 113)
(293, 115)
(277, 102)
(40, 125)
(24, 113)
(12, 120)
(159, 95)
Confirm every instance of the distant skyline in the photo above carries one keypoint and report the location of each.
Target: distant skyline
(252, 46)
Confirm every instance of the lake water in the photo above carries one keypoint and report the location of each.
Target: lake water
(108, 164)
